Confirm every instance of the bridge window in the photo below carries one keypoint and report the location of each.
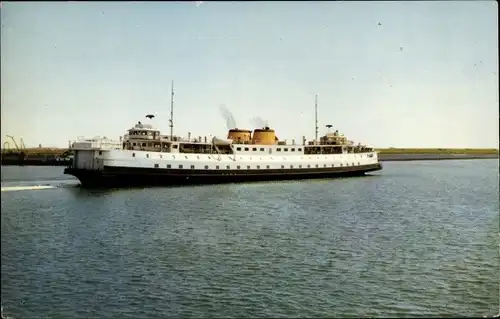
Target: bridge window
(246, 148)
(292, 150)
(238, 148)
(262, 149)
(285, 149)
(254, 149)
(299, 149)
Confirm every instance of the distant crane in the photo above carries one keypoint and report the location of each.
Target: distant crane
(15, 144)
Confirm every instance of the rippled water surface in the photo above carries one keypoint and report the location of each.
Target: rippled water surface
(417, 239)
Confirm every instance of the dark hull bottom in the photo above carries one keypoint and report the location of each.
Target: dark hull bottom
(125, 176)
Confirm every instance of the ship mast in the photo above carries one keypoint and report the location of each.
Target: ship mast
(172, 113)
(316, 119)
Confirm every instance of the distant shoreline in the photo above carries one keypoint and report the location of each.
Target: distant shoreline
(433, 157)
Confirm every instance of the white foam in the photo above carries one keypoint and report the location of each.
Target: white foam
(26, 188)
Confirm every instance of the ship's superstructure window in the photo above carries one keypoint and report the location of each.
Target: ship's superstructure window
(285, 149)
(291, 166)
(268, 166)
(192, 166)
(238, 167)
(248, 166)
(300, 166)
(324, 165)
(147, 155)
(258, 166)
(228, 167)
(169, 166)
(282, 166)
(262, 149)
(206, 166)
(292, 150)
(100, 152)
(333, 165)
(180, 166)
(238, 148)
(157, 165)
(246, 149)
(217, 167)
(308, 166)
(299, 149)
(278, 149)
(254, 149)
(317, 165)
(175, 146)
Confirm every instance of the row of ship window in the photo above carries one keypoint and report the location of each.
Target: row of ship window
(173, 156)
(258, 166)
(254, 149)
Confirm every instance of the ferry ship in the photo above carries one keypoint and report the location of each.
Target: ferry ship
(144, 157)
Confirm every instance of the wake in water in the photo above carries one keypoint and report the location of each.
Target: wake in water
(37, 185)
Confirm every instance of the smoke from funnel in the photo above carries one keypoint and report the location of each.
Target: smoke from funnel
(259, 122)
(228, 117)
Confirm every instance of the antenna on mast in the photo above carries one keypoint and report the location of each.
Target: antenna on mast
(316, 119)
(172, 113)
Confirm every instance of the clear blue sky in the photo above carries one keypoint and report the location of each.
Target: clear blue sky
(73, 69)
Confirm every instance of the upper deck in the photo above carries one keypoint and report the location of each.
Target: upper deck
(260, 142)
